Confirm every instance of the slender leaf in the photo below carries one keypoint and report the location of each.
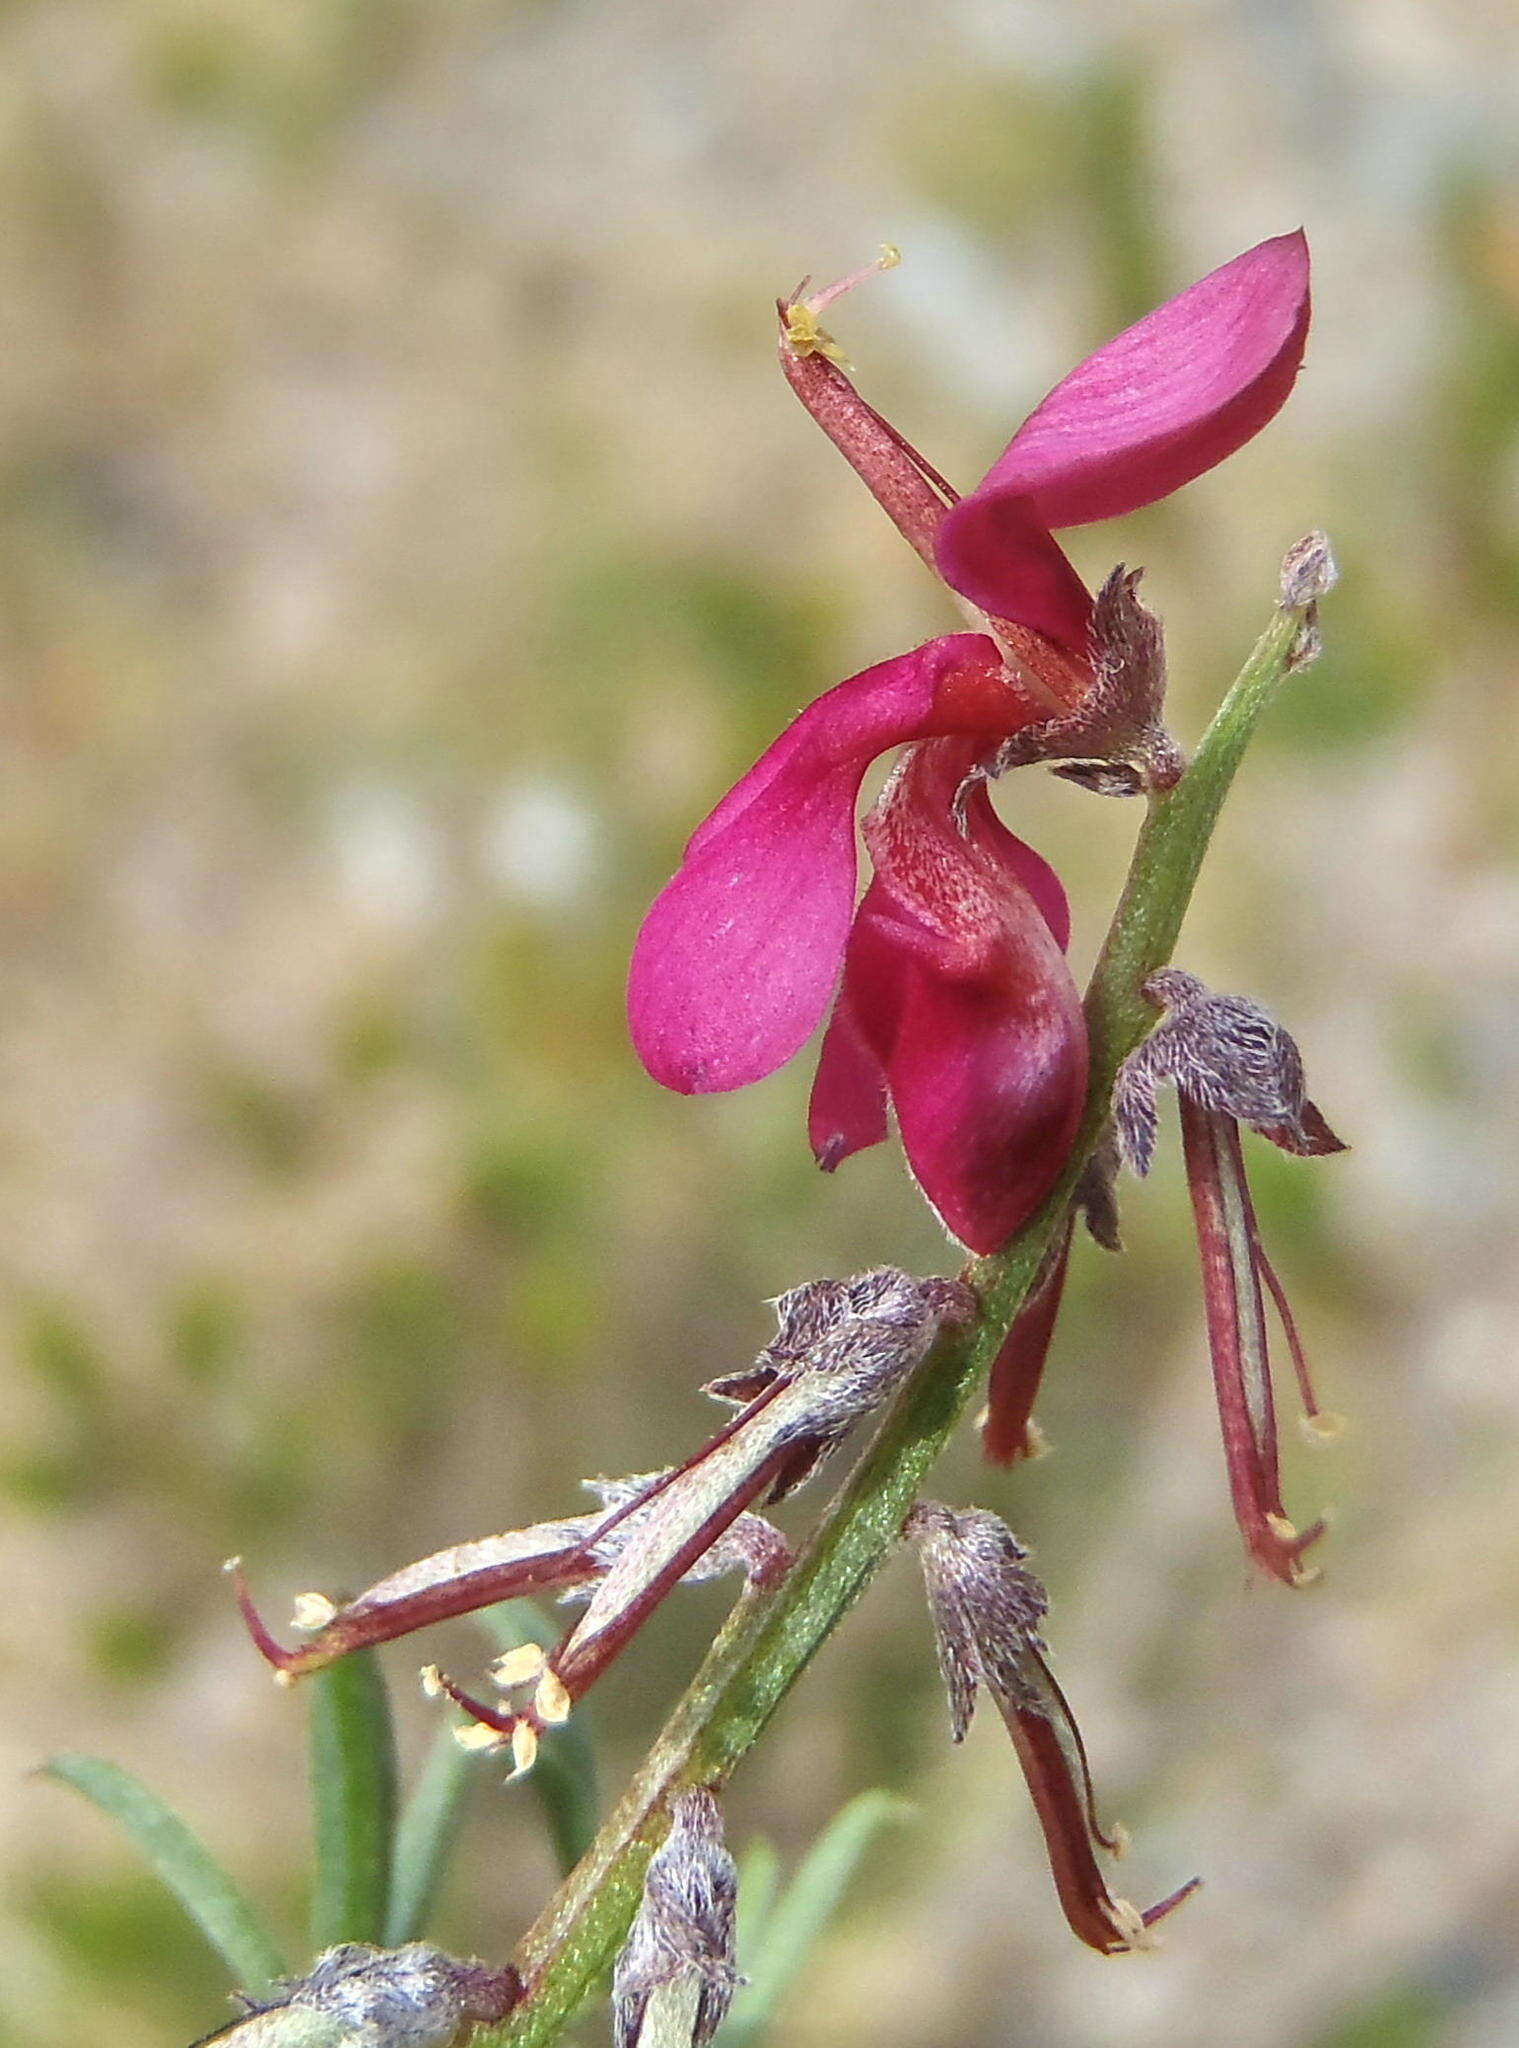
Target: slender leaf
(182, 1864)
(564, 1777)
(425, 1837)
(804, 1911)
(353, 1796)
(759, 1876)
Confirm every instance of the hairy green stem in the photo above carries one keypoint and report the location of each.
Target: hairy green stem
(770, 1638)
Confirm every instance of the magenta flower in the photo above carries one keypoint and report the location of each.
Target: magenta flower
(954, 1001)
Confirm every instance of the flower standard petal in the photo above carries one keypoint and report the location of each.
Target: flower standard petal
(737, 959)
(1163, 402)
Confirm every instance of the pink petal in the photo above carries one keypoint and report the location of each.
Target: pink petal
(962, 990)
(1166, 400)
(738, 957)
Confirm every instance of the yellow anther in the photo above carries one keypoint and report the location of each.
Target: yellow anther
(474, 1735)
(1128, 1922)
(432, 1681)
(1322, 1427)
(1035, 1443)
(1281, 1527)
(284, 1680)
(312, 1611)
(524, 1748)
(806, 336)
(522, 1666)
(551, 1702)
(1305, 1574)
(231, 1564)
(1120, 1841)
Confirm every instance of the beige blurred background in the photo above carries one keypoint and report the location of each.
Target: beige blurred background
(404, 537)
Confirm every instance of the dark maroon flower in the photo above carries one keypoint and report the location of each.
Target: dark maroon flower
(842, 1347)
(1231, 1063)
(988, 1609)
(956, 1005)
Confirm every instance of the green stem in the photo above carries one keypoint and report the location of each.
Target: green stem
(770, 1638)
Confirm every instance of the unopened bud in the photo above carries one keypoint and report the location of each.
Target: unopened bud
(675, 1978)
(1308, 572)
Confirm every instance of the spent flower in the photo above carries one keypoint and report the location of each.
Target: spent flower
(1232, 1063)
(842, 1347)
(988, 1609)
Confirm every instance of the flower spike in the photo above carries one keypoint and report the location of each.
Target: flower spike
(987, 1610)
(1232, 1063)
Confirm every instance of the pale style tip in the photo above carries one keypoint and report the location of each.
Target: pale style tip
(1322, 1428)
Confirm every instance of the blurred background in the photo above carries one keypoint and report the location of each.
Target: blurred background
(404, 537)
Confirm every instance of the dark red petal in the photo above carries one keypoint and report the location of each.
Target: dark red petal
(1018, 1368)
(1227, 1244)
(963, 993)
(847, 1113)
(1002, 555)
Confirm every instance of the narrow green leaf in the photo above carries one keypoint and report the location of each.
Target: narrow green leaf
(182, 1864)
(428, 1830)
(353, 1797)
(759, 1876)
(803, 1912)
(564, 1777)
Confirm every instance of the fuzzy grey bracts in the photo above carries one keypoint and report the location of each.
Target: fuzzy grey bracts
(842, 1347)
(851, 1333)
(1116, 743)
(1226, 1054)
(679, 1954)
(986, 1605)
(412, 1997)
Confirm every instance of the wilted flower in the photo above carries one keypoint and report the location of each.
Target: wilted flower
(987, 1610)
(1231, 1064)
(675, 1977)
(841, 1348)
(954, 1001)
